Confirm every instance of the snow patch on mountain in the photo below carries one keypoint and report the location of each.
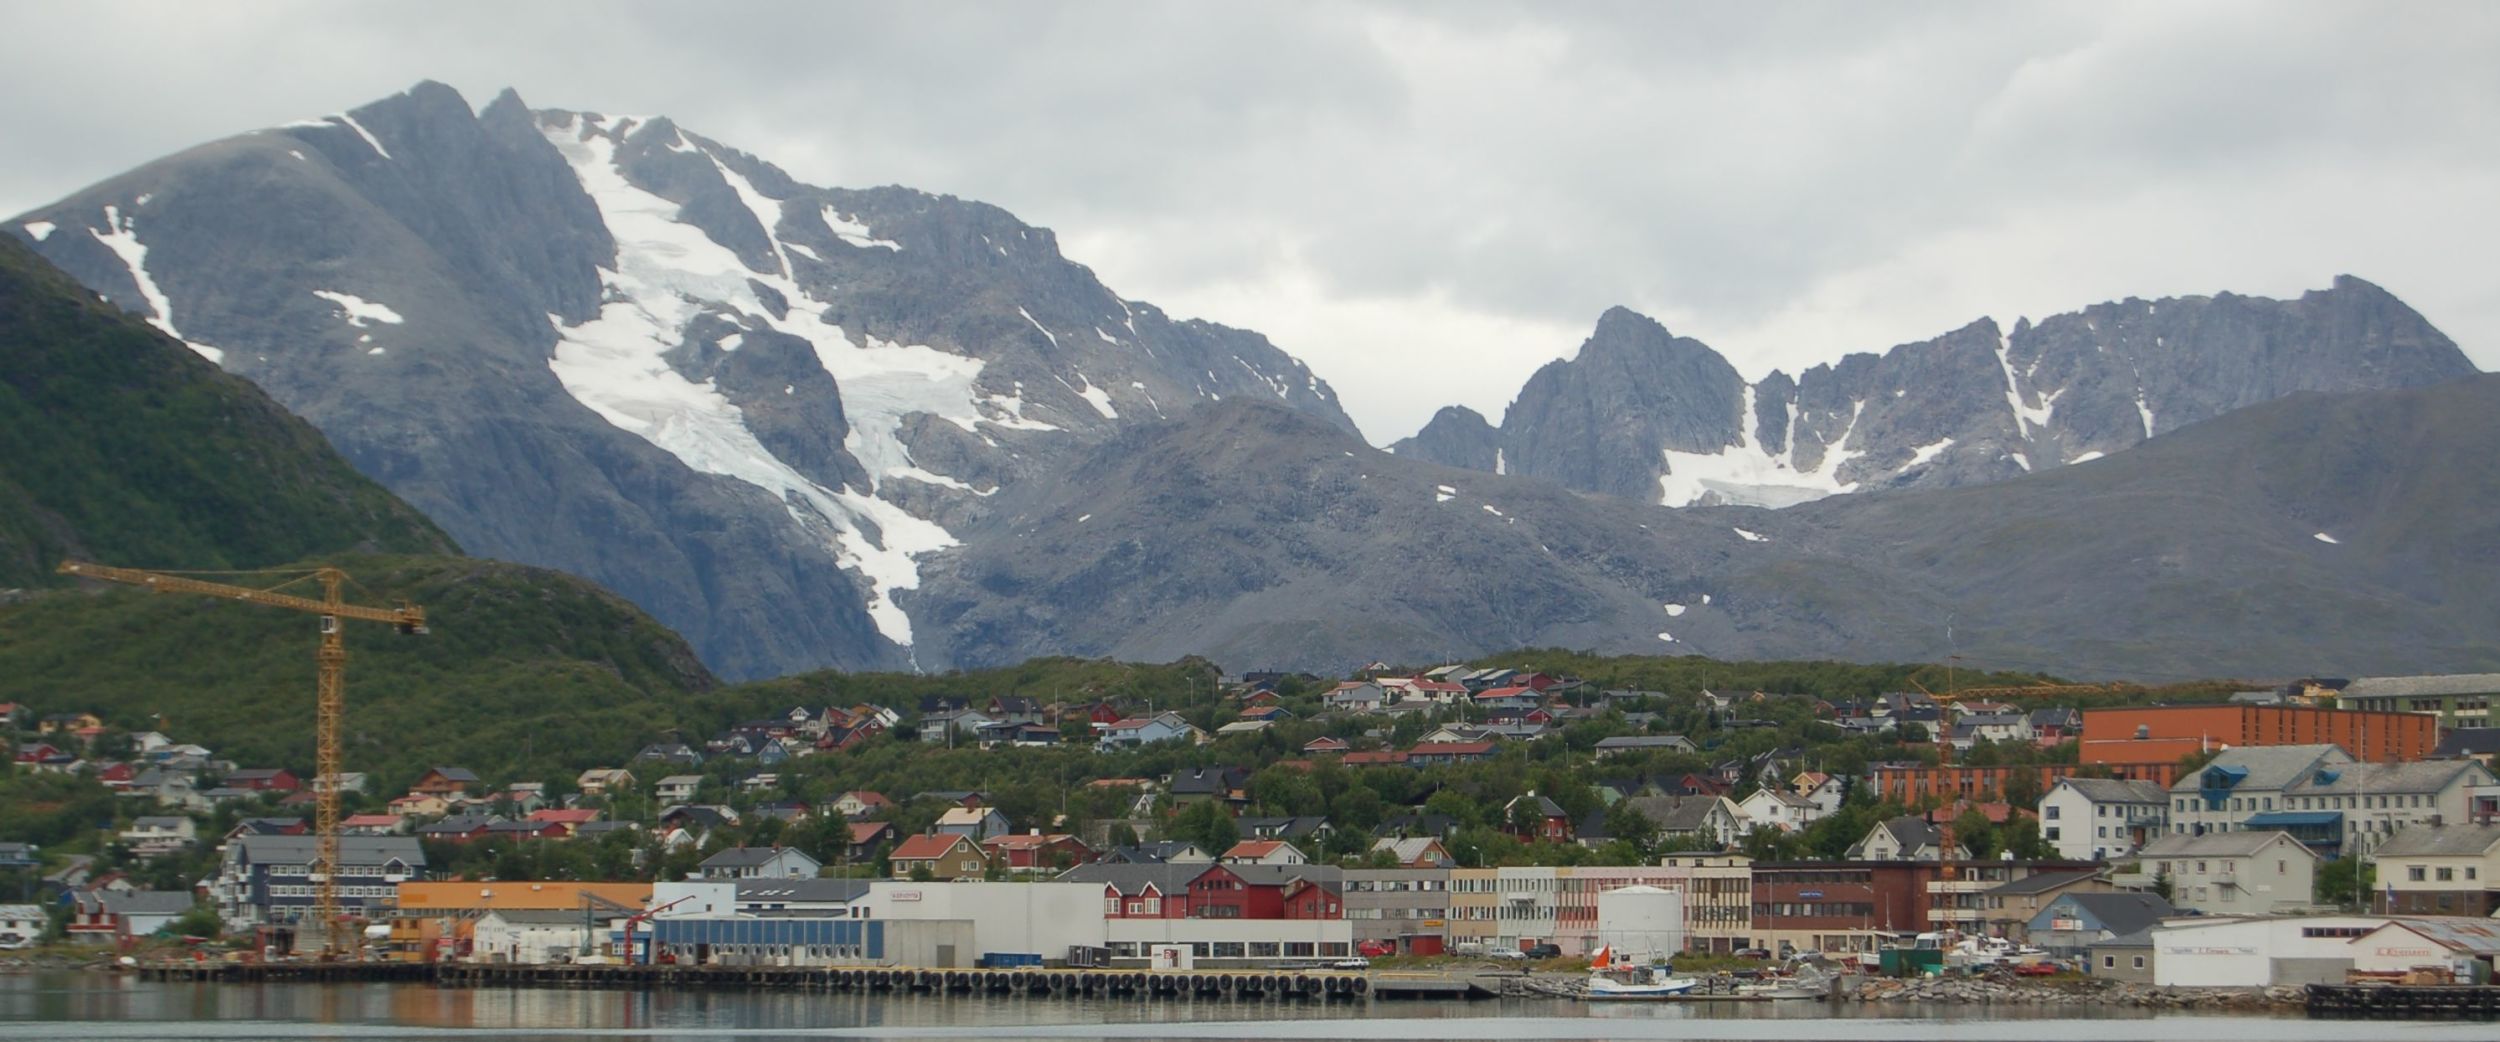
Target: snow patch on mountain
(668, 274)
(1750, 537)
(2026, 417)
(38, 230)
(1926, 453)
(122, 238)
(1037, 324)
(1747, 475)
(2325, 538)
(359, 311)
(858, 234)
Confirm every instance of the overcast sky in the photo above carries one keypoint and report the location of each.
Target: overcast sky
(1428, 201)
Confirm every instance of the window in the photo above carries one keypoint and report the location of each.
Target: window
(2052, 811)
(2413, 873)
(2447, 874)
(2109, 962)
(2139, 962)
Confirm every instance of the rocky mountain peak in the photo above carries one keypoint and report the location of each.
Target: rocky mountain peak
(1641, 413)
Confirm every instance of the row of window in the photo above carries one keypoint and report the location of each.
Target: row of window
(2446, 874)
(1815, 909)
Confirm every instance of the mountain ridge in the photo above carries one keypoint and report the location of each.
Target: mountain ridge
(1983, 402)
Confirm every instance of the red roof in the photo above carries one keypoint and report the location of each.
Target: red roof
(564, 816)
(925, 848)
(867, 798)
(1450, 749)
(1023, 841)
(1386, 756)
(1507, 692)
(863, 831)
(361, 821)
(1324, 744)
(1255, 848)
(1440, 687)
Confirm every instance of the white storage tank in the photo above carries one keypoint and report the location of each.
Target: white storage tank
(1641, 922)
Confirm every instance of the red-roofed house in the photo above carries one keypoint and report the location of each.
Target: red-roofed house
(867, 836)
(1429, 753)
(1026, 853)
(1263, 852)
(562, 822)
(1514, 697)
(1375, 758)
(263, 779)
(373, 825)
(946, 857)
(860, 803)
(1325, 744)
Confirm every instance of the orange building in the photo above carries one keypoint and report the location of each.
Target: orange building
(437, 920)
(2163, 734)
(1914, 783)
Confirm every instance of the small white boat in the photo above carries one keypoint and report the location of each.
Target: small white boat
(1649, 985)
(1609, 981)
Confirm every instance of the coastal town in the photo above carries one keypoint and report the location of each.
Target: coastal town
(2316, 832)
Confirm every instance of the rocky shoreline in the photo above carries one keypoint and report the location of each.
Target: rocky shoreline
(1978, 991)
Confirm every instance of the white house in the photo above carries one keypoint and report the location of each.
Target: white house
(1826, 791)
(2229, 873)
(534, 936)
(974, 823)
(1141, 731)
(1358, 696)
(1905, 838)
(20, 925)
(759, 863)
(2094, 819)
(1776, 809)
(2440, 870)
(1264, 852)
(677, 788)
(157, 836)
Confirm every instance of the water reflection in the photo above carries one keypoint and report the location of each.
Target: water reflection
(92, 1008)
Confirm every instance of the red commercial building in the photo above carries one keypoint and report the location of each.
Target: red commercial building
(1838, 906)
(2163, 734)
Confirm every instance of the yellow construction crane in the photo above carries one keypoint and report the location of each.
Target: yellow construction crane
(332, 693)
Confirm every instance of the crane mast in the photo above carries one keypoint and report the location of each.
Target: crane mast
(330, 695)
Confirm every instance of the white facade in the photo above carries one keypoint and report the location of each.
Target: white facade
(1257, 939)
(2098, 819)
(2241, 873)
(2249, 953)
(1772, 809)
(1642, 922)
(534, 937)
(1044, 919)
(20, 925)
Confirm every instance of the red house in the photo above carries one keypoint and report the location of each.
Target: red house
(1533, 818)
(264, 779)
(1305, 899)
(1375, 758)
(1033, 852)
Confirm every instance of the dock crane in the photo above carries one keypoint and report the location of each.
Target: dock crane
(331, 694)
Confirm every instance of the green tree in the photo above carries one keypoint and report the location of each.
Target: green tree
(2346, 882)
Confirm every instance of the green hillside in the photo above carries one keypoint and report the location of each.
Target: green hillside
(122, 445)
(525, 670)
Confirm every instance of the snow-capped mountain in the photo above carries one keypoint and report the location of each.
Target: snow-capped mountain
(1641, 413)
(613, 346)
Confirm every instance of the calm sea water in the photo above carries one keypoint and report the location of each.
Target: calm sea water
(87, 1008)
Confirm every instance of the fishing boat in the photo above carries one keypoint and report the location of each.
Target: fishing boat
(1611, 982)
(1806, 983)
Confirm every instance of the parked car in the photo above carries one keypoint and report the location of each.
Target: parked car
(2035, 969)
(1350, 964)
(1376, 949)
(1753, 953)
(1506, 954)
(1548, 950)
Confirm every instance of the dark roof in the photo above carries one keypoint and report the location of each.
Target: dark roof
(458, 774)
(2041, 882)
(2120, 913)
(811, 890)
(742, 857)
(1427, 824)
(1208, 780)
(353, 850)
(1132, 879)
(2469, 741)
